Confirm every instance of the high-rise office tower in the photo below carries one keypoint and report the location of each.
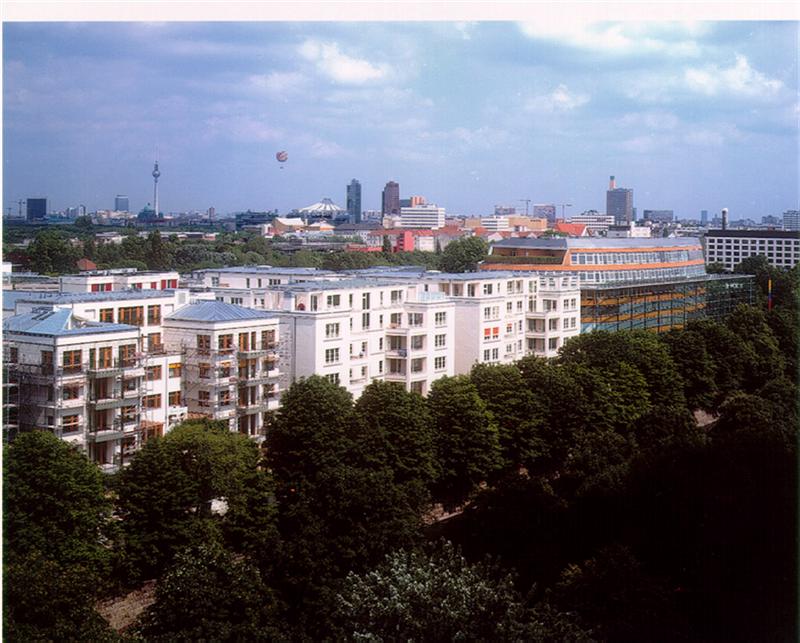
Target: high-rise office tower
(619, 203)
(390, 201)
(354, 202)
(121, 203)
(703, 217)
(36, 209)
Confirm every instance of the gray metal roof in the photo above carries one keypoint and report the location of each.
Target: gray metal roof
(113, 295)
(217, 311)
(58, 323)
(311, 286)
(11, 297)
(269, 270)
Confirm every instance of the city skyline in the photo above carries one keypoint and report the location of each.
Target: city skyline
(691, 116)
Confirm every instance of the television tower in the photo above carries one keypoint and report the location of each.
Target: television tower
(156, 174)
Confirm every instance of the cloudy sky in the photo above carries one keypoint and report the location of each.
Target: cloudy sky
(690, 115)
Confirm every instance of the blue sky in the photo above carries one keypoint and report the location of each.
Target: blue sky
(695, 115)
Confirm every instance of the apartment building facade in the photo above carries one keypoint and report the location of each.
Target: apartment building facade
(120, 279)
(231, 366)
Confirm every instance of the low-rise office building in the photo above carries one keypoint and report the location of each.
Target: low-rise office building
(729, 247)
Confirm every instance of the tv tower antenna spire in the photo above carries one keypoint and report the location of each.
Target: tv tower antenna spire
(156, 174)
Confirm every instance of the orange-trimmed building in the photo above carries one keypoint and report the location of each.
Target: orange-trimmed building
(653, 283)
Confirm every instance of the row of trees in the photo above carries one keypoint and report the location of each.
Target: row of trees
(52, 252)
(607, 511)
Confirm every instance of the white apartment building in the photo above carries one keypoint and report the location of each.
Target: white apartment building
(120, 279)
(791, 220)
(427, 216)
(729, 247)
(496, 223)
(357, 330)
(594, 221)
(231, 362)
(88, 382)
(257, 277)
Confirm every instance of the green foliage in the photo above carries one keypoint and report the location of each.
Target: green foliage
(464, 255)
(715, 268)
(441, 597)
(386, 246)
(517, 411)
(696, 365)
(50, 253)
(209, 594)
(467, 442)
(764, 359)
(53, 502)
(165, 496)
(397, 423)
(54, 549)
(156, 252)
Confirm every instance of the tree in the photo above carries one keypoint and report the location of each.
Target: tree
(727, 352)
(55, 535)
(50, 253)
(398, 423)
(464, 255)
(89, 248)
(467, 442)
(386, 247)
(697, 367)
(156, 252)
(167, 492)
(519, 415)
(765, 361)
(209, 594)
(412, 596)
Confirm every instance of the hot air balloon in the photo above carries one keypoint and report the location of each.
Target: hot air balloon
(282, 156)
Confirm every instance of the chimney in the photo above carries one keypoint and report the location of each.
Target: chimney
(612, 184)
(724, 218)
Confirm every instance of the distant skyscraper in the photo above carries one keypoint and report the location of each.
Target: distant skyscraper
(354, 202)
(704, 217)
(545, 211)
(36, 209)
(121, 203)
(390, 201)
(156, 174)
(619, 203)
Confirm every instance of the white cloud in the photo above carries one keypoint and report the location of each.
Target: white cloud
(652, 120)
(465, 29)
(740, 79)
(617, 38)
(340, 67)
(561, 99)
(278, 82)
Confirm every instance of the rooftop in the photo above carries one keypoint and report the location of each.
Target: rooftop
(758, 234)
(269, 270)
(59, 323)
(112, 295)
(598, 242)
(217, 311)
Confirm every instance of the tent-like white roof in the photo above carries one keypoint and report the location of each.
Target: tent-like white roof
(325, 207)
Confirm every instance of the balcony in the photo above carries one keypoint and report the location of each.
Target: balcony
(105, 434)
(105, 403)
(397, 352)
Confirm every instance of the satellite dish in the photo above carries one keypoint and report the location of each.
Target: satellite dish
(282, 157)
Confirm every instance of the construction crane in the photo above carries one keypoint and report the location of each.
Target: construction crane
(564, 206)
(527, 203)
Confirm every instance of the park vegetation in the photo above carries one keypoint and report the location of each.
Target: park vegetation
(586, 504)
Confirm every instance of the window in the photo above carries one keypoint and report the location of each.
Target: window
(244, 342)
(130, 384)
(203, 398)
(174, 398)
(333, 301)
(154, 344)
(154, 314)
(128, 413)
(175, 370)
(331, 355)
(151, 401)
(380, 366)
(509, 306)
(417, 365)
(72, 361)
(396, 296)
(205, 371)
(440, 363)
(365, 301)
(238, 301)
(332, 377)
(440, 319)
(153, 373)
(552, 343)
(487, 355)
(470, 290)
(364, 321)
(495, 353)
(487, 289)
(225, 343)
(224, 398)
(107, 315)
(439, 341)
(104, 357)
(395, 320)
(71, 392)
(417, 342)
(553, 324)
(418, 387)
(415, 319)
(13, 355)
(133, 315)
(204, 343)
(71, 423)
(331, 331)
(267, 339)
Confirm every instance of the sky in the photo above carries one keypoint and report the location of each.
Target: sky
(691, 115)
